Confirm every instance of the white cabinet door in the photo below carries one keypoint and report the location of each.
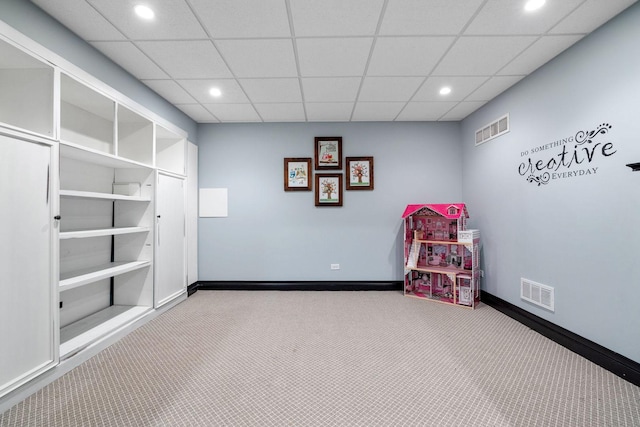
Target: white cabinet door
(192, 213)
(27, 295)
(170, 277)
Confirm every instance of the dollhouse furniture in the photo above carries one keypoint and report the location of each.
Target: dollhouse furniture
(441, 255)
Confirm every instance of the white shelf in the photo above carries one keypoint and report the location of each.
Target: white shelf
(83, 234)
(85, 276)
(89, 155)
(105, 196)
(78, 335)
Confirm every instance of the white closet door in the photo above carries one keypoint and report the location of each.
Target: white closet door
(192, 213)
(27, 299)
(170, 277)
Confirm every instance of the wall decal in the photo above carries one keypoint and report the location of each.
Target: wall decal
(567, 161)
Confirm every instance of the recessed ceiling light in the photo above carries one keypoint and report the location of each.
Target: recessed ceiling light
(445, 90)
(214, 91)
(144, 12)
(532, 5)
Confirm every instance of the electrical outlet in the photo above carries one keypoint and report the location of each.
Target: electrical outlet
(335, 266)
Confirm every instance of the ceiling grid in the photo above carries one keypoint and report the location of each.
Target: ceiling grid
(331, 60)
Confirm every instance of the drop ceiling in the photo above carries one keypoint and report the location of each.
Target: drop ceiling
(331, 60)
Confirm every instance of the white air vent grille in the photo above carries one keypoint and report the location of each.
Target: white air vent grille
(537, 293)
(493, 130)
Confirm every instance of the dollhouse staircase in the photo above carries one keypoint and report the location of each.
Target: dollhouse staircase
(412, 261)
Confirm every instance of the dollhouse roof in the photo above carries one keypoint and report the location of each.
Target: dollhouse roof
(441, 209)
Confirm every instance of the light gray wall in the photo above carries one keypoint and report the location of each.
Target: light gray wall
(30, 20)
(578, 234)
(275, 235)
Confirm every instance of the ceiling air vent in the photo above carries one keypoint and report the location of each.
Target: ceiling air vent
(537, 293)
(492, 130)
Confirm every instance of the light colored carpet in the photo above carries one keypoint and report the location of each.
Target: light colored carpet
(269, 358)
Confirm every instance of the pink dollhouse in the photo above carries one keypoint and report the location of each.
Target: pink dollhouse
(441, 255)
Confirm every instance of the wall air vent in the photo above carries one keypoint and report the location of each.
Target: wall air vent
(492, 130)
(537, 293)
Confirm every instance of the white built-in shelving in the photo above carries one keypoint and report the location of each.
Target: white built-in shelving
(84, 241)
(106, 244)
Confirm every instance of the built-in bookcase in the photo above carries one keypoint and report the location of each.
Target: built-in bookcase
(106, 245)
(90, 175)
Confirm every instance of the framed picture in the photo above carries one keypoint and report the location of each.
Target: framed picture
(297, 174)
(360, 173)
(328, 152)
(328, 189)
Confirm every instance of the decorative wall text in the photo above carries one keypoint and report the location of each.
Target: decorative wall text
(567, 162)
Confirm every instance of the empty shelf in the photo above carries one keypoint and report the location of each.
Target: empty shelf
(80, 334)
(82, 234)
(106, 196)
(89, 275)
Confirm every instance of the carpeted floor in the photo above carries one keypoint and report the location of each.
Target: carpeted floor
(269, 358)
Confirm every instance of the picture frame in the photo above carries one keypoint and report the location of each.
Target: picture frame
(328, 153)
(297, 174)
(328, 189)
(359, 173)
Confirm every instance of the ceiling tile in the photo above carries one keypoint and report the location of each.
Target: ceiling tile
(272, 90)
(132, 59)
(232, 93)
(285, 112)
(462, 110)
(243, 19)
(424, 111)
(539, 53)
(427, 17)
(508, 17)
(333, 57)
(186, 59)
(461, 87)
(198, 113)
(329, 111)
(377, 111)
(173, 20)
(357, 60)
(331, 89)
(259, 58)
(389, 89)
(234, 112)
(590, 15)
(493, 87)
(81, 18)
(407, 56)
(481, 56)
(335, 17)
(170, 90)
